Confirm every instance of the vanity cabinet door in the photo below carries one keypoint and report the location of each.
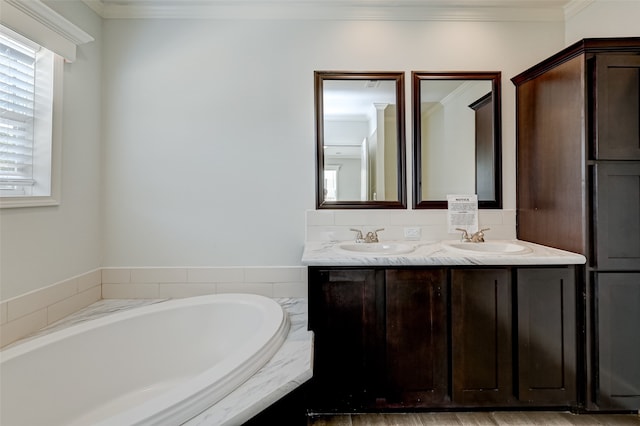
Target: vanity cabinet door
(618, 313)
(416, 337)
(481, 336)
(546, 336)
(617, 215)
(617, 105)
(344, 319)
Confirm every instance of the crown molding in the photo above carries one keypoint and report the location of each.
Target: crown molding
(574, 7)
(38, 11)
(98, 6)
(42, 25)
(374, 10)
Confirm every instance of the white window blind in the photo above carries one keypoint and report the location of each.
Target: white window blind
(17, 116)
(34, 42)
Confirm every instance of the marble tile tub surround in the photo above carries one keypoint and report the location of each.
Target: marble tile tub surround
(28, 313)
(334, 225)
(289, 368)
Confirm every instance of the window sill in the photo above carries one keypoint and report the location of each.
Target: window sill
(18, 202)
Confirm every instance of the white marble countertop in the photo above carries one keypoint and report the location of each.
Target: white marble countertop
(437, 253)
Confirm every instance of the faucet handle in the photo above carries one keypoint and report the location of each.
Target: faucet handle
(478, 237)
(375, 233)
(359, 237)
(465, 235)
(372, 236)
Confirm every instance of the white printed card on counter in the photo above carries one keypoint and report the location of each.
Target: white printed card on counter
(462, 213)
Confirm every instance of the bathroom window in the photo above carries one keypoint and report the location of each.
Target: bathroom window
(30, 88)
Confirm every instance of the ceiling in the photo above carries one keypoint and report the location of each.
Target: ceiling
(442, 10)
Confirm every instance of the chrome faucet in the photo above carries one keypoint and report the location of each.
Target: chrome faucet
(359, 237)
(476, 237)
(371, 237)
(465, 235)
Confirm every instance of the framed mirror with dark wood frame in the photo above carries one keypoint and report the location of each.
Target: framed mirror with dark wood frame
(360, 140)
(456, 138)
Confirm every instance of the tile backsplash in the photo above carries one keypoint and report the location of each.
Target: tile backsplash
(333, 225)
(128, 283)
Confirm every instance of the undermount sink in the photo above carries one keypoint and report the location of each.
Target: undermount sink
(493, 247)
(376, 248)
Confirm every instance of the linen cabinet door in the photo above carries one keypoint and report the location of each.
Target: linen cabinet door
(481, 336)
(617, 215)
(343, 317)
(546, 306)
(416, 338)
(617, 106)
(618, 313)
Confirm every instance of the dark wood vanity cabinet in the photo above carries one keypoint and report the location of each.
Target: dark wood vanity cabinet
(578, 189)
(380, 338)
(421, 337)
(349, 324)
(546, 330)
(514, 336)
(616, 215)
(481, 325)
(415, 339)
(615, 98)
(618, 308)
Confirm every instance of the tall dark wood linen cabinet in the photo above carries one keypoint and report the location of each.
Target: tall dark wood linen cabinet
(578, 189)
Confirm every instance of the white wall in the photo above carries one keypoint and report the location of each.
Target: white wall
(605, 18)
(41, 246)
(209, 135)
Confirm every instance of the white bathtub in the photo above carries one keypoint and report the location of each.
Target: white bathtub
(160, 364)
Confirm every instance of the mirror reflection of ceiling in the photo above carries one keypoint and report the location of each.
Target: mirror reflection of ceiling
(481, 10)
(354, 98)
(434, 92)
(352, 101)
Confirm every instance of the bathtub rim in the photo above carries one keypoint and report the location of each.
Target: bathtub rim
(196, 394)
